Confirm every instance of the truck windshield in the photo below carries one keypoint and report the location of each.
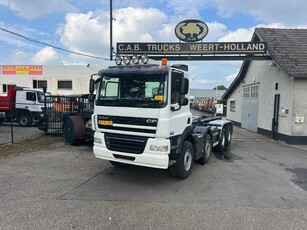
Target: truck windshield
(41, 97)
(148, 91)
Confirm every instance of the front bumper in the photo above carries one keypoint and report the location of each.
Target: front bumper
(148, 158)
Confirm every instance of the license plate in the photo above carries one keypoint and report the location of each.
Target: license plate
(105, 122)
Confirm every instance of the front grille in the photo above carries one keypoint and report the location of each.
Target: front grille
(125, 143)
(129, 124)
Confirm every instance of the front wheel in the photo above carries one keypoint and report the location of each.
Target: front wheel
(183, 168)
(24, 120)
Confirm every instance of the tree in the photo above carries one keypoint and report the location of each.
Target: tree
(220, 87)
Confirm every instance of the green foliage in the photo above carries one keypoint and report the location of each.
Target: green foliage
(220, 87)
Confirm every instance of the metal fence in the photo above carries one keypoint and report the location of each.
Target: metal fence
(16, 126)
(57, 108)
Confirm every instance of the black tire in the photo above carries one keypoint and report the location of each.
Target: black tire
(24, 120)
(228, 131)
(118, 164)
(74, 130)
(183, 167)
(222, 141)
(207, 150)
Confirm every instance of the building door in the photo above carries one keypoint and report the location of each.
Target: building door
(250, 108)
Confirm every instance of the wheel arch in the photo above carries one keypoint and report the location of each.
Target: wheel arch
(178, 141)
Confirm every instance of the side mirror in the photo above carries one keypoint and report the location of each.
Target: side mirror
(184, 86)
(183, 101)
(92, 86)
(91, 97)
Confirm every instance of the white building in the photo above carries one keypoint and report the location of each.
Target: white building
(269, 97)
(63, 80)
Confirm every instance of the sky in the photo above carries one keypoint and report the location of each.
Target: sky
(84, 26)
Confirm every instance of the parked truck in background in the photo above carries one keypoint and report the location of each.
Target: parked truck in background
(142, 117)
(22, 105)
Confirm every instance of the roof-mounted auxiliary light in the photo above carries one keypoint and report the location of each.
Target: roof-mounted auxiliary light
(126, 60)
(118, 60)
(144, 58)
(135, 59)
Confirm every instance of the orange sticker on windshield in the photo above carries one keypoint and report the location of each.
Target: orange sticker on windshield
(158, 98)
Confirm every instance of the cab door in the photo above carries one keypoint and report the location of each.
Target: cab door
(180, 116)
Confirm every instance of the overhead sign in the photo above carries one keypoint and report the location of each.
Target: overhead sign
(192, 48)
(191, 30)
(21, 70)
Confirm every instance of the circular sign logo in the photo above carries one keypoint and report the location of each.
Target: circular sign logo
(191, 30)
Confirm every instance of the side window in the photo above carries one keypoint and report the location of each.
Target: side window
(31, 96)
(232, 105)
(175, 84)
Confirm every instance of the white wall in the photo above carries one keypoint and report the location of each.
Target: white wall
(291, 96)
(237, 97)
(299, 107)
(79, 75)
(268, 76)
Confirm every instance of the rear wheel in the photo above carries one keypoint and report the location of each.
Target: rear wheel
(207, 150)
(183, 168)
(24, 120)
(228, 139)
(222, 141)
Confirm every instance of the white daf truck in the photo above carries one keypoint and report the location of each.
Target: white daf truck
(142, 117)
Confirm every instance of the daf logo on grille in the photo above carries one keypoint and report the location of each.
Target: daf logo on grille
(151, 121)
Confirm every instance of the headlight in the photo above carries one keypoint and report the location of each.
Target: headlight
(157, 148)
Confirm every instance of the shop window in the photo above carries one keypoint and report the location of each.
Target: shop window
(64, 84)
(233, 105)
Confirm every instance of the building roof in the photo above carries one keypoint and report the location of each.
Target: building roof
(285, 46)
(206, 93)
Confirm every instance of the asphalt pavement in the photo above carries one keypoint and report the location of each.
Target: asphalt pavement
(14, 133)
(263, 186)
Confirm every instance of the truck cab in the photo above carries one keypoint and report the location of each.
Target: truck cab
(23, 105)
(142, 117)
